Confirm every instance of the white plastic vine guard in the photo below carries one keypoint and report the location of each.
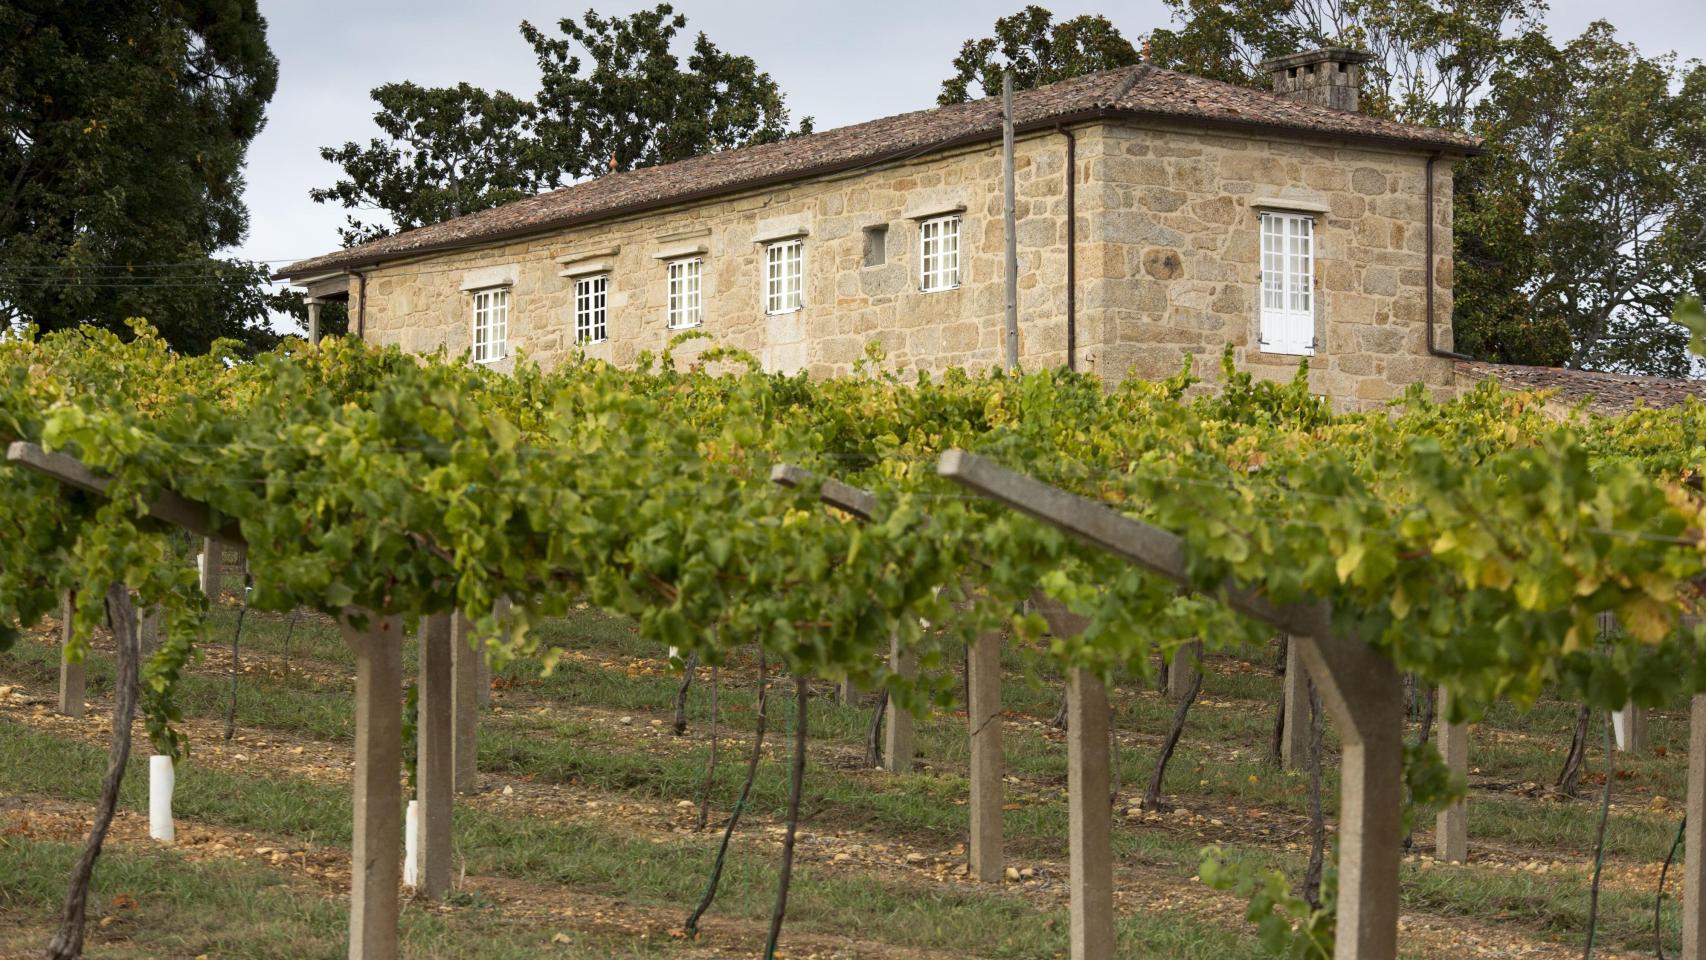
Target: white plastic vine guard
(411, 842)
(161, 780)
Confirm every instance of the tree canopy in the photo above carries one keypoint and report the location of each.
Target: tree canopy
(612, 96)
(1575, 234)
(1431, 60)
(631, 103)
(1586, 220)
(446, 151)
(1038, 50)
(125, 126)
(1581, 226)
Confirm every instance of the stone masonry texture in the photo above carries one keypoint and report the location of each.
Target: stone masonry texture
(1168, 264)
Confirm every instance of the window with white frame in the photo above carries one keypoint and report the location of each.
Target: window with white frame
(1288, 283)
(491, 325)
(686, 300)
(939, 253)
(784, 276)
(591, 298)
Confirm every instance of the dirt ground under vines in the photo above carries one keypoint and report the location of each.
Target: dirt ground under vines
(856, 849)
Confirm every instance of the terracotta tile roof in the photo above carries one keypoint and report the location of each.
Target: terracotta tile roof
(1132, 91)
(1608, 393)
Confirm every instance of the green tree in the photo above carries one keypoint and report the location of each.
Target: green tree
(1580, 227)
(1431, 58)
(631, 103)
(446, 151)
(1586, 221)
(125, 125)
(1038, 50)
(612, 97)
(1227, 40)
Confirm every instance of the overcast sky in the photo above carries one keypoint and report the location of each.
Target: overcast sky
(837, 62)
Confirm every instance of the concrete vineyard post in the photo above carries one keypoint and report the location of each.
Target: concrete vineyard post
(376, 847)
(1629, 727)
(1364, 694)
(1089, 778)
(72, 676)
(212, 565)
(435, 774)
(1451, 827)
(1694, 842)
(897, 728)
(1294, 738)
(484, 687)
(1182, 672)
(984, 718)
(1090, 818)
(148, 633)
(1359, 686)
(465, 705)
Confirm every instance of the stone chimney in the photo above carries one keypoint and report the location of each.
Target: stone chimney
(1328, 77)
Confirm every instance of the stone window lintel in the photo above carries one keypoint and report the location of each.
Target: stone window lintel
(605, 253)
(487, 278)
(778, 229)
(681, 251)
(1303, 205)
(585, 268)
(932, 211)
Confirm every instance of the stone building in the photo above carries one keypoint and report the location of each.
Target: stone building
(1158, 215)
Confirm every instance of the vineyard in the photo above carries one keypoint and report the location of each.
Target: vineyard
(981, 665)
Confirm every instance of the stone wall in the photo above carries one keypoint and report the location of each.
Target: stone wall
(422, 305)
(1168, 264)
(1170, 258)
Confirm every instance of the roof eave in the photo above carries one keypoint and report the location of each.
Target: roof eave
(354, 263)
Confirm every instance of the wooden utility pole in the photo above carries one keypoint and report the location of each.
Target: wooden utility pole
(1009, 204)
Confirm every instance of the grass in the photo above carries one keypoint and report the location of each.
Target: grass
(163, 905)
(589, 856)
(566, 747)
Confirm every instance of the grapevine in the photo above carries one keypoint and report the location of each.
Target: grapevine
(1472, 542)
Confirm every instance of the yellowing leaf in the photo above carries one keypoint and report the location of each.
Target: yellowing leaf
(1400, 605)
(1646, 619)
(1349, 561)
(1494, 573)
(1658, 586)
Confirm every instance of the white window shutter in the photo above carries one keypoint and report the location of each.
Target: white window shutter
(1286, 310)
